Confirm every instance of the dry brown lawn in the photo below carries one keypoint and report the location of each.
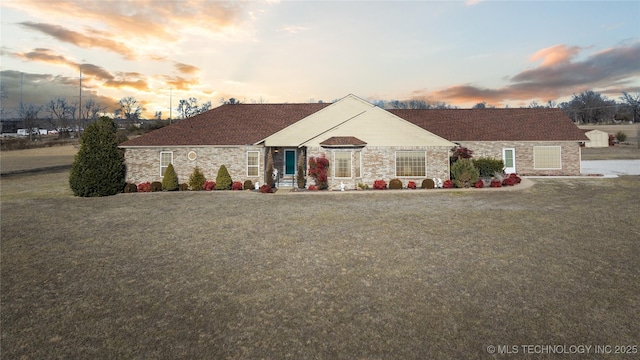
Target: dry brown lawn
(39, 158)
(362, 275)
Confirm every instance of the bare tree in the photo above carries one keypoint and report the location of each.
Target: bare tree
(92, 110)
(129, 108)
(28, 113)
(190, 107)
(482, 105)
(632, 104)
(3, 95)
(412, 104)
(589, 107)
(231, 101)
(60, 115)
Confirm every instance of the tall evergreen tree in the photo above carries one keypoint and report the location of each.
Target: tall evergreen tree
(98, 168)
(223, 180)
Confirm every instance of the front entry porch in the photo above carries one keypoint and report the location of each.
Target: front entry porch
(285, 165)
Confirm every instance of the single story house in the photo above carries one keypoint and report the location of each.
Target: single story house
(363, 142)
(597, 138)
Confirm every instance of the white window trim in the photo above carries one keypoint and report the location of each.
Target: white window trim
(395, 167)
(546, 146)
(170, 162)
(350, 164)
(253, 166)
(359, 155)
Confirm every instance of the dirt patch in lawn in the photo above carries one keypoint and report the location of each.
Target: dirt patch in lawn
(247, 275)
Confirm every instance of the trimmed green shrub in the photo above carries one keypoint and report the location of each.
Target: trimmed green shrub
(223, 180)
(428, 184)
(363, 186)
(170, 179)
(197, 179)
(130, 188)
(464, 174)
(300, 179)
(487, 166)
(98, 168)
(269, 173)
(156, 186)
(621, 136)
(395, 184)
(248, 185)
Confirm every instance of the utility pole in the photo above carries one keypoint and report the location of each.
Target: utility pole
(170, 104)
(80, 106)
(21, 85)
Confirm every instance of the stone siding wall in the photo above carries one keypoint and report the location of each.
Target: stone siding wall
(143, 164)
(380, 163)
(570, 153)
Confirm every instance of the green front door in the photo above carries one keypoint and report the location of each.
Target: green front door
(289, 162)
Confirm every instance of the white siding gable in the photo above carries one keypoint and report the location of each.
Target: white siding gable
(319, 122)
(352, 116)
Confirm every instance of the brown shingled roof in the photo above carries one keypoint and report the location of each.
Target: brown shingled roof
(526, 124)
(343, 141)
(242, 124)
(237, 124)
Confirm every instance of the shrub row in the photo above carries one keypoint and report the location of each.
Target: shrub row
(397, 184)
(477, 183)
(158, 186)
(197, 181)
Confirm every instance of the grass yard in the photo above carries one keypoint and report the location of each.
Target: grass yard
(412, 274)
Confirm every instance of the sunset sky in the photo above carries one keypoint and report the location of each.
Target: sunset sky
(458, 52)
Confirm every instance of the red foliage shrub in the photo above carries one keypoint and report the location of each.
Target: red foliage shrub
(509, 181)
(515, 178)
(236, 185)
(479, 184)
(144, 187)
(411, 185)
(495, 183)
(379, 184)
(318, 171)
(313, 188)
(266, 189)
(461, 152)
(447, 184)
(209, 185)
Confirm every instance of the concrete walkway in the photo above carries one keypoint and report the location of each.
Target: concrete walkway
(610, 168)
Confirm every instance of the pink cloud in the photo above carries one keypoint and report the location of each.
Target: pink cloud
(611, 70)
(557, 54)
